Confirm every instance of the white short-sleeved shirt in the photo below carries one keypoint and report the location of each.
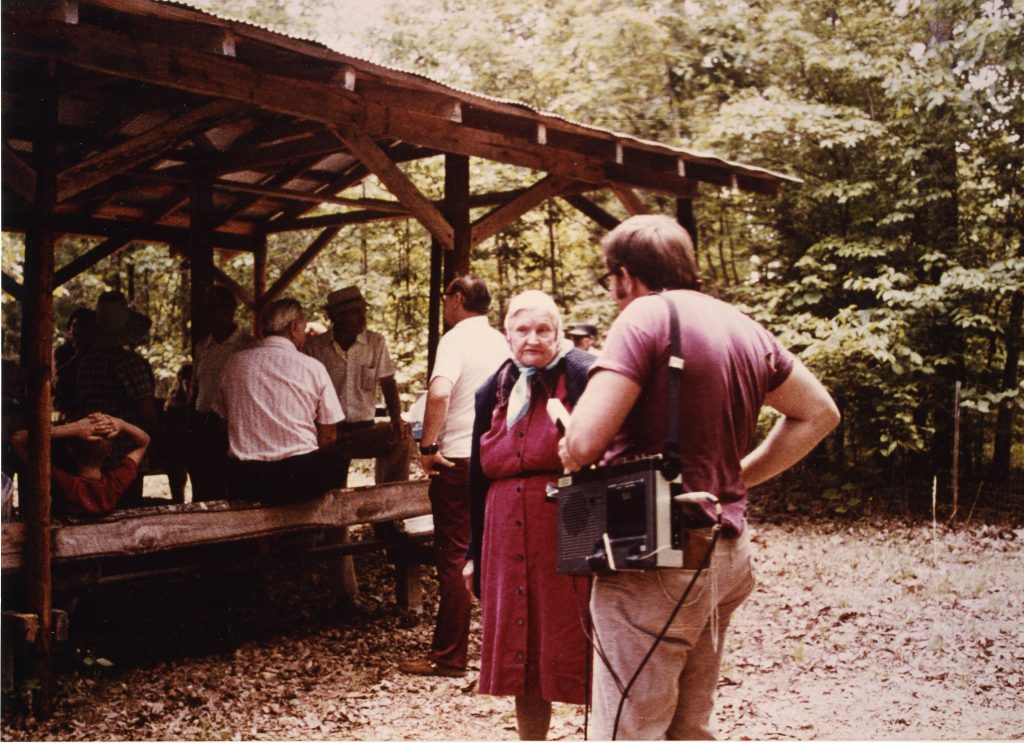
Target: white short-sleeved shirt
(272, 397)
(356, 373)
(210, 357)
(467, 356)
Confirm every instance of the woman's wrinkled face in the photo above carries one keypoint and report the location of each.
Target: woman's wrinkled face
(533, 337)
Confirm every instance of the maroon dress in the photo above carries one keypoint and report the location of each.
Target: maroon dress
(533, 618)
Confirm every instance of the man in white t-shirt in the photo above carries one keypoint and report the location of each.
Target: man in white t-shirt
(358, 362)
(206, 444)
(468, 354)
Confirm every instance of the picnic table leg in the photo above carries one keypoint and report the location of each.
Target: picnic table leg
(409, 586)
(342, 571)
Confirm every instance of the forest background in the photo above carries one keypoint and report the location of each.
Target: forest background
(896, 270)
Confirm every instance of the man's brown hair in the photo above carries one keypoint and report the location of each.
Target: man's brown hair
(475, 295)
(655, 249)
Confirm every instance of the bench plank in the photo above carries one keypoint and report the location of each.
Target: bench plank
(148, 530)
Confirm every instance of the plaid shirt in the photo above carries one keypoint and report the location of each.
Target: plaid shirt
(113, 381)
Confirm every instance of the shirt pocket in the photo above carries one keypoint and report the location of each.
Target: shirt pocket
(367, 378)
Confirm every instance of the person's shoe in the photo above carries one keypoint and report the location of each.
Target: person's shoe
(427, 667)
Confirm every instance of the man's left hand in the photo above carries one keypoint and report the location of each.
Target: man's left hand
(430, 463)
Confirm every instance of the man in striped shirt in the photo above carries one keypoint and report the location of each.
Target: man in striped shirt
(282, 412)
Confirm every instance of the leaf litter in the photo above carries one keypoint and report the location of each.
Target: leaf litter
(881, 631)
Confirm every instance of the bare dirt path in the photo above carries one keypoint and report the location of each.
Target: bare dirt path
(863, 632)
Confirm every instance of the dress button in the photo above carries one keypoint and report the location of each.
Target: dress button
(522, 433)
(519, 522)
(519, 489)
(519, 622)
(520, 558)
(519, 656)
(519, 590)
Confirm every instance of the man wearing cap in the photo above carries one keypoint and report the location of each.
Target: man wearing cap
(116, 380)
(207, 440)
(358, 362)
(583, 336)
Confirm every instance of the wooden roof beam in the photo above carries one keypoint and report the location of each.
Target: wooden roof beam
(174, 64)
(289, 274)
(112, 245)
(496, 220)
(588, 208)
(629, 199)
(18, 175)
(149, 144)
(12, 286)
(92, 226)
(374, 158)
(340, 219)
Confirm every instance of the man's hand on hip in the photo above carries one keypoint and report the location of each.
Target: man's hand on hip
(430, 463)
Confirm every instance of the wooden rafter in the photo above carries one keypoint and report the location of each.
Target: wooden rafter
(18, 175)
(13, 287)
(495, 221)
(289, 274)
(629, 199)
(588, 208)
(397, 109)
(71, 225)
(374, 158)
(121, 157)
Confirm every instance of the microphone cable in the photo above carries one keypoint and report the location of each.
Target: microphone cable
(704, 563)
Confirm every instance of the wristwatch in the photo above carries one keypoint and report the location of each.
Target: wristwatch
(429, 449)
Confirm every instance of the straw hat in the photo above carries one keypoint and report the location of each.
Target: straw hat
(341, 299)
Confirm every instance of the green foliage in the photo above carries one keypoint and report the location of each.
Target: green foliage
(892, 270)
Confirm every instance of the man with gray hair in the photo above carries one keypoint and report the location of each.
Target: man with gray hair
(281, 411)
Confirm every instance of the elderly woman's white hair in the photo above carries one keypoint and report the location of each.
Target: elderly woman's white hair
(534, 299)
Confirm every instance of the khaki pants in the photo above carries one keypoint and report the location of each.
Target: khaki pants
(674, 695)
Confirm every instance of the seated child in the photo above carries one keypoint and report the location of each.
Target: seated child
(89, 490)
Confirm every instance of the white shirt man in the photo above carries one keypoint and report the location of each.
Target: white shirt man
(358, 363)
(467, 356)
(206, 445)
(281, 411)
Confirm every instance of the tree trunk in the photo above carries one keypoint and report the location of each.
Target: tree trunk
(1004, 421)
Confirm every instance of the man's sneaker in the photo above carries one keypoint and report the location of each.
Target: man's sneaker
(427, 667)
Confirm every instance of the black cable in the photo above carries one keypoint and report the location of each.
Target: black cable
(584, 616)
(664, 630)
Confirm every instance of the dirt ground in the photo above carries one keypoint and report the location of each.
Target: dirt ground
(855, 632)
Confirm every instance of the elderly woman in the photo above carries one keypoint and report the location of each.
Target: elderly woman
(534, 646)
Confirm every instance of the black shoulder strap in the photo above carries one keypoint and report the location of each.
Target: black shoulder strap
(675, 383)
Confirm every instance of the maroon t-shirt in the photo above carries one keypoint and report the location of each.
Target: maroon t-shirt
(729, 364)
(84, 496)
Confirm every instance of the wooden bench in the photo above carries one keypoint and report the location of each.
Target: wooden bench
(148, 542)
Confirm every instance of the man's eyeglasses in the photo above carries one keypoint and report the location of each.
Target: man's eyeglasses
(605, 280)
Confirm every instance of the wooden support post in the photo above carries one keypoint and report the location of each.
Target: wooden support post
(37, 341)
(200, 250)
(456, 201)
(435, 300)
(259, 283)
(686, 217)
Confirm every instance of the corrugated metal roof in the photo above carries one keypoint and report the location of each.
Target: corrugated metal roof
(682, 151)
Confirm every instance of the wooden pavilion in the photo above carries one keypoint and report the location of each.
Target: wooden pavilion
(152, 121)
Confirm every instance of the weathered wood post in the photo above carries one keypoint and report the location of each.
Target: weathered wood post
(456, 207)
(259, 282)
(36, 357)
(200, 249)
(686, 217)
